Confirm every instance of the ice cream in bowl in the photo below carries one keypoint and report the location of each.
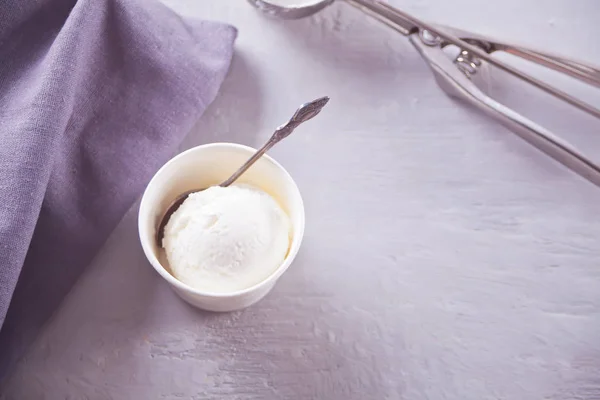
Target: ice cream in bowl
(222, 222)
(225, 239)
(225, 247)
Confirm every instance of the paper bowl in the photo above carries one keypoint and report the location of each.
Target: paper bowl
(205, 166)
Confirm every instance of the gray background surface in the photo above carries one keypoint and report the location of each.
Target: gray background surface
(443, 258)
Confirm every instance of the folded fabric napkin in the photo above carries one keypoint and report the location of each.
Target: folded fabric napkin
(94, 96)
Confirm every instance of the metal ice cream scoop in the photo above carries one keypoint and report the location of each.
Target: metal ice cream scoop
(454, 75)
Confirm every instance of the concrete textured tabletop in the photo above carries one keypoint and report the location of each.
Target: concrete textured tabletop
(444, 258)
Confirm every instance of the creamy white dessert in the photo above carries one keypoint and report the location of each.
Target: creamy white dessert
(226, 239)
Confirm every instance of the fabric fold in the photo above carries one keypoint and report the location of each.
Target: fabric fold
(95, 95)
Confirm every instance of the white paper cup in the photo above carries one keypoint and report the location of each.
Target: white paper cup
(205, 166)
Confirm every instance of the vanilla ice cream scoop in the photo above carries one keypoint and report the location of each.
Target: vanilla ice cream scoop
(225, 239)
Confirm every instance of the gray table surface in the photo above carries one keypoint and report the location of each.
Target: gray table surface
(443, 258)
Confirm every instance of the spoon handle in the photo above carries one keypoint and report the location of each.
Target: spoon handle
(303, 114)
(259, 153)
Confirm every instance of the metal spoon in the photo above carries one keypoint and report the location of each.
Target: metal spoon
(305, 112)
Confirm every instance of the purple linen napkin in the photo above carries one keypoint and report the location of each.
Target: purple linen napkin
(94, 96)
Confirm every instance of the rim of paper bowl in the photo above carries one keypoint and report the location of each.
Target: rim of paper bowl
(294, 245)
